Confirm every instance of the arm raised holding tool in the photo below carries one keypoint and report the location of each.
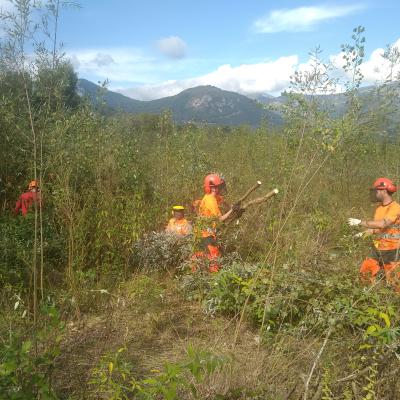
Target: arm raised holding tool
(239, 208)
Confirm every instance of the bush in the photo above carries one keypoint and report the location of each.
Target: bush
(16, 248)
(161, 251)
(303, 301)
(114, 378)
(25, 365)
(230, 288)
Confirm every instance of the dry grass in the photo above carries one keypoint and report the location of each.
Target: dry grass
(150, 317)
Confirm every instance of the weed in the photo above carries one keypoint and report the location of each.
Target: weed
(114, 378)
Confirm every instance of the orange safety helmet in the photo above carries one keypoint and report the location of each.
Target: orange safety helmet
(33, 184)
(212, 180)
(385, 183)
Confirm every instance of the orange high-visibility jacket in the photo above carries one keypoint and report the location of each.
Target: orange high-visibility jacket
(180, 227)
(209, 208)
(196, 203)
(388, 238)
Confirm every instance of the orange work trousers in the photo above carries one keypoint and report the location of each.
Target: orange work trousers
(210, 254)
(369, 270)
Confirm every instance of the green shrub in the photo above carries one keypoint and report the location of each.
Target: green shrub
(302, 301)
(230, 288)
(17, 246)
(114, 378)
(27, 361)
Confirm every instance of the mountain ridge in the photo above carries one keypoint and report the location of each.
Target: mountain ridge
(206, 104)
(212, 105)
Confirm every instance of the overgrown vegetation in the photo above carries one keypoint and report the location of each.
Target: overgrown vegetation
(285, 318)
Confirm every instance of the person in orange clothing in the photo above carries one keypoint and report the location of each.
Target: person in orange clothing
(222, 204)
(28, 199)
(179, 225)
(385, 228)
(209, 210)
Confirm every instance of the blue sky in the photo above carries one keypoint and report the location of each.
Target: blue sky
(150, 49)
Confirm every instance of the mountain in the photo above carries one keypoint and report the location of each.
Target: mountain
(372, 99)
(206, 104)
(265, 98)
(113, 101)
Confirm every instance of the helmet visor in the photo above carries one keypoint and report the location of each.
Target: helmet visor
(222, 190)
(373, 192)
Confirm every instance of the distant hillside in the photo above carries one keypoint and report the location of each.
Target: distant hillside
(113, 101)
(336, 104)
(199, 104)
(211, 105)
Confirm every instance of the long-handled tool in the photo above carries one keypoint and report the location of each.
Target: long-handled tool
(260, 200)
(239, 207)
(248, 193)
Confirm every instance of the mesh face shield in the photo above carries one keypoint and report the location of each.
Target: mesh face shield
(373, 195)
(222, 189)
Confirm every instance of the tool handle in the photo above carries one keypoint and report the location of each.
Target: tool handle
(249, 192)
(262, 199)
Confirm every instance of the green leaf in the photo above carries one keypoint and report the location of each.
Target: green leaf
(371, 329)
(26, 346)
(386, 318)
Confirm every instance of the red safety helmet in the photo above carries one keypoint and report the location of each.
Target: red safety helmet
(386, 184)
(212, 180)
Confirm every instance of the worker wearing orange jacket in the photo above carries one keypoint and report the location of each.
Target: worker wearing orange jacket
(385, 228)
(28, 199)
(209, 210)
(179, 225)
(222, 204)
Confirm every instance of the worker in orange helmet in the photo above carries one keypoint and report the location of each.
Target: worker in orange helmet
(222, 204)
(28, 199)
(214, 189)
(178, 224)
(385, 228)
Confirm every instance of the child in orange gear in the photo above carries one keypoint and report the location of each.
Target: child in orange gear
(179, 225)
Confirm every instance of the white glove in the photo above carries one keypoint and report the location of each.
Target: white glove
(359, 235)
(354, 221)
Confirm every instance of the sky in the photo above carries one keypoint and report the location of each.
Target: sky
(151, 49)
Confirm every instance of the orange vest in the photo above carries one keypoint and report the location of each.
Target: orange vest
(196, 203)
(180, 227)
(388, 238)
(209, 208)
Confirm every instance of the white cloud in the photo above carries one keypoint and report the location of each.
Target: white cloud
(249, 79)
(6, 5)
(271, 77)
(301, 18)
(116, 64)
(141, 77)
(124, 65)
(375, 69)
(102, 59)
(172, 46)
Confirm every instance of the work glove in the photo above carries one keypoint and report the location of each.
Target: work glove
(236, 207)
(237, 210)
(239, 213)
(354, 221)
(359, 235)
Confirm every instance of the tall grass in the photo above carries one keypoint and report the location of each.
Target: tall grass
(107, 181)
